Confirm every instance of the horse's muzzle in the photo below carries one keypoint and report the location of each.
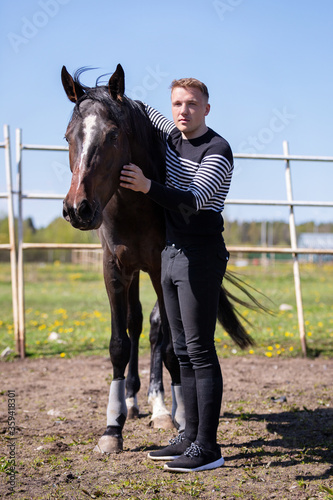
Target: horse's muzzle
(84, 216)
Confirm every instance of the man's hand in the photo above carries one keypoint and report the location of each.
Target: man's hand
(131, 177)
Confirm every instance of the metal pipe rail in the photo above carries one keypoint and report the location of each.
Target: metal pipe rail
(11, 246)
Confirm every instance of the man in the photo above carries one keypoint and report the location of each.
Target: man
(199, 166)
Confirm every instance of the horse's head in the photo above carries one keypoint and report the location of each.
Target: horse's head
(98, 148)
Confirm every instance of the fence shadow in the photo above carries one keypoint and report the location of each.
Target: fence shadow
(297, 437)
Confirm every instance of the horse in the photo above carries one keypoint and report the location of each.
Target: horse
(106, 131)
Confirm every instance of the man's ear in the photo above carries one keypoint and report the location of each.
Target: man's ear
(207, 109)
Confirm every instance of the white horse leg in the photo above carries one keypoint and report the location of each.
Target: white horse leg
(178, 408)
(112, 441)
(132, 407)
(161, 417)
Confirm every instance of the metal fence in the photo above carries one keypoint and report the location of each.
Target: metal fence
(18, 265)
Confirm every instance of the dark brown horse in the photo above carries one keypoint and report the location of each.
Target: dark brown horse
(108, 130)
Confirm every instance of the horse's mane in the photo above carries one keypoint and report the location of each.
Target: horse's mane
(129, 114)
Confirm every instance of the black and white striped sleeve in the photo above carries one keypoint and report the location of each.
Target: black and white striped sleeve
(212, 178)
(162, 124)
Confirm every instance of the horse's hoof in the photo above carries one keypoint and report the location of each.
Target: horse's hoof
(109, 444)
(162, 422)
(133, 413)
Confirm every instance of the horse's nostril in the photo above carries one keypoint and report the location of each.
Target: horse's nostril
(64, 210)
(84, 210)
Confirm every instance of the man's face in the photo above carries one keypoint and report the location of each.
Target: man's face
(189, 109)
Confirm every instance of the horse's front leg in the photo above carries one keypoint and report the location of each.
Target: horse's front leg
(117, 284)
(134, 325)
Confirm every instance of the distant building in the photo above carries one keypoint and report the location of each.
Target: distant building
(318, 241)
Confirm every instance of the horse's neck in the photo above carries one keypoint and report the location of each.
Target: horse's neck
(150, 164)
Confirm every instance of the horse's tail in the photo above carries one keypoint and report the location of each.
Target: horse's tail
(228, 316)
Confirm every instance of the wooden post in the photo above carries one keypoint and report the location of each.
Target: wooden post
(293, 241)
(20, 267)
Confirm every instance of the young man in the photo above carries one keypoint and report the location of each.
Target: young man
(199, 166)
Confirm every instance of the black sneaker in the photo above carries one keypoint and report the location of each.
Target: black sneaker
(176, 448)
(196, 459)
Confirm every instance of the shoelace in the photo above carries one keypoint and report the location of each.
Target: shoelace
(178, 439)
(193, 451)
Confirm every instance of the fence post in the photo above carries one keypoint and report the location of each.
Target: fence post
(11, 230)
(293, 242)
(20, 266)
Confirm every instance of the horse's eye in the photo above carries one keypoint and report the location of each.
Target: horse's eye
(66, 139)
(112, 136)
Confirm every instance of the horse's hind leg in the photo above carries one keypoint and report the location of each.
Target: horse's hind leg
(162, 351)
(161, 417)
(163, 348)
(134, 324)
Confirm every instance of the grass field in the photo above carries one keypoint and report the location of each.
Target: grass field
(72, 302)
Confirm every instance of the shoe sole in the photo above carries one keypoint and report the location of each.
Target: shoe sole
(169, 457)
(212, 465)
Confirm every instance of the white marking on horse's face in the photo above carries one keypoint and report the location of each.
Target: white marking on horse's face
(89, 123)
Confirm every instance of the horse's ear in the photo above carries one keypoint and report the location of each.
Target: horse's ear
(117, 84)
(73, 89)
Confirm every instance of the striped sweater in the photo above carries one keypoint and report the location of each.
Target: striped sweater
(198, 176)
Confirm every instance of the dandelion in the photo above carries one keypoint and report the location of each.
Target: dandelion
(309, 334)
(62, 354)
(251, 351)
(60, 311)
(277, 346)
(270, 348)
(268, 354)
(41, 327)
(92, 340)
(320, 324)
(291, 348)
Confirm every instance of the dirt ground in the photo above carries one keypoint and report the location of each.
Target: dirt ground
(276, 433)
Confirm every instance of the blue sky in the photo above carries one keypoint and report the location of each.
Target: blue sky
(267, 64)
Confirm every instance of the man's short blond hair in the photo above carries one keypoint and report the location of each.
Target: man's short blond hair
(188, 83)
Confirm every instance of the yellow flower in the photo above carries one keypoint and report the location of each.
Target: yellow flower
(309, 334)
(41, 327)
(291, 348)
(268, 354)
(251, 351)
(92, 340)
(270, 348)
(277, 346)
(320, 324)
(62, 355)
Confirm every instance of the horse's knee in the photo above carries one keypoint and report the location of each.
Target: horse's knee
(120, 351)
